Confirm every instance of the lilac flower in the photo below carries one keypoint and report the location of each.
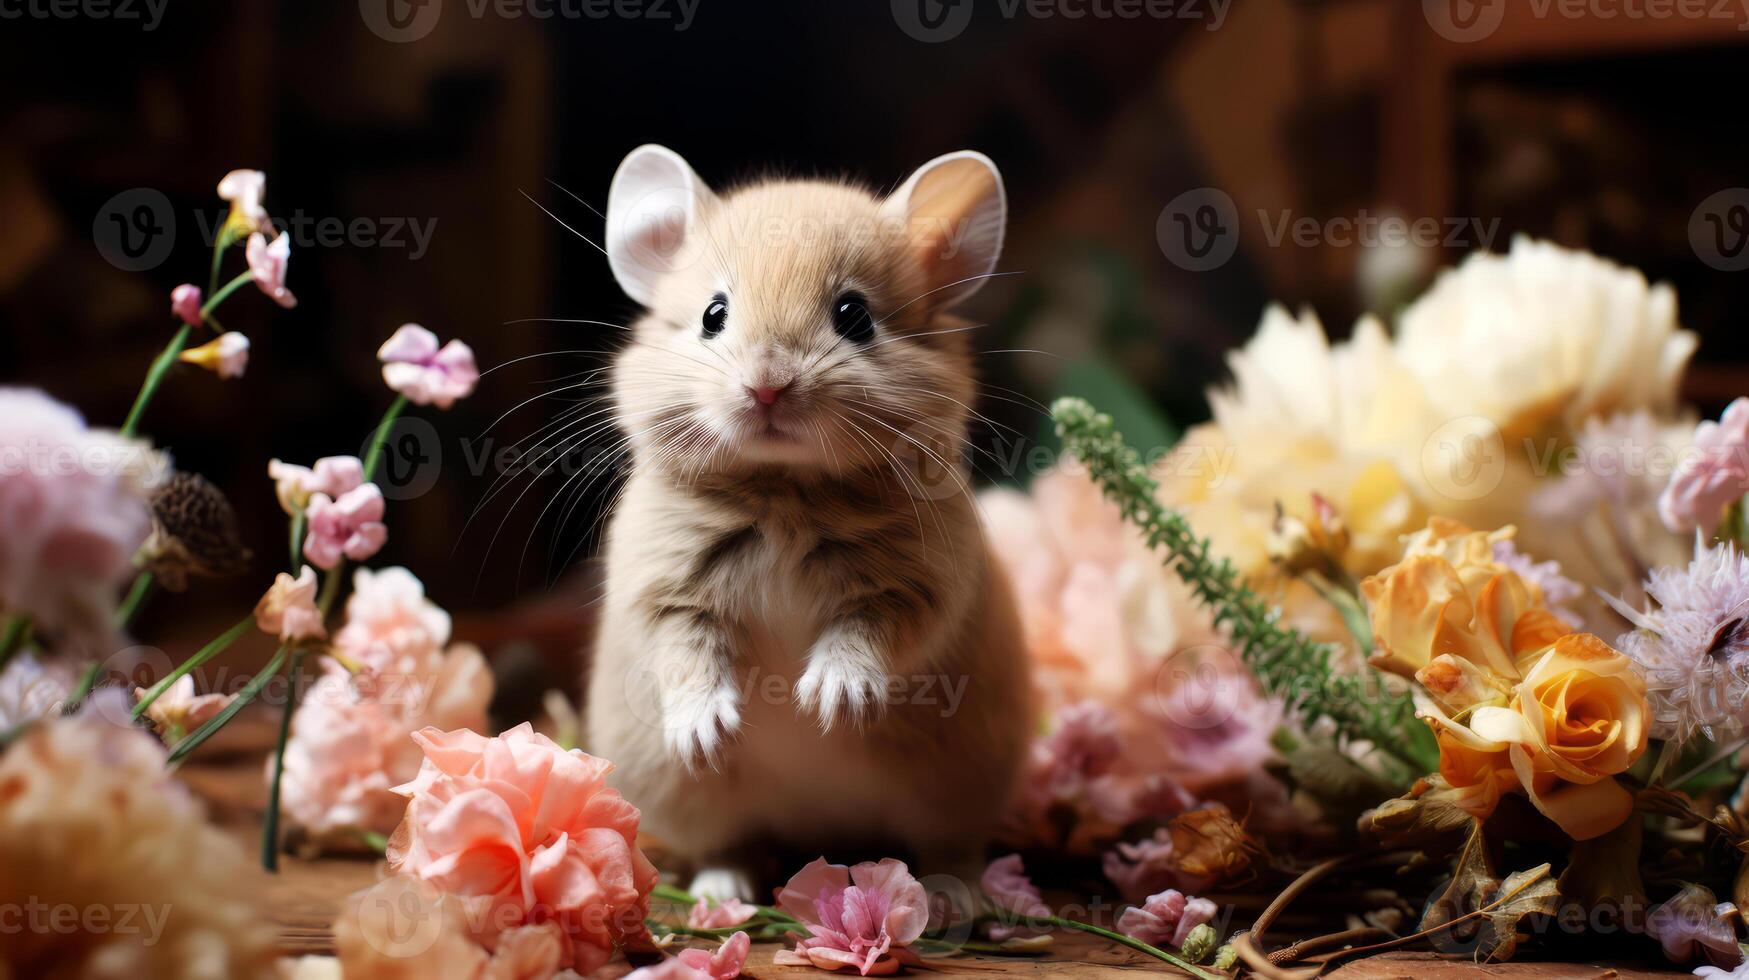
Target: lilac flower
(1692, 643)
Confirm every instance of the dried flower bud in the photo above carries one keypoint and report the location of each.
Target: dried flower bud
(194, 532)
(1225, 957)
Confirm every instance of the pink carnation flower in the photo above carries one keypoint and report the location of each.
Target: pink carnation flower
(730, 912)
(1716, 477)
(526, 832)
(350, 526)
(862, 917)
(185, 303)
(332, 475)
(267, 265)
(414, 366)
(391, 627)
(72, 514)
(289, 611)
(1165, 919)
(699, 964)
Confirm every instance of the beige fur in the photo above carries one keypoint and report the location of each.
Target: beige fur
(788, 618)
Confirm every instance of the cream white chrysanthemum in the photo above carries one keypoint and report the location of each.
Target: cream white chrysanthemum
(1544, 335)
(1692, 644)
(110, 866)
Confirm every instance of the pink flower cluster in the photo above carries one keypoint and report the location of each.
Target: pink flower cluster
(524, 832)
(352, 734)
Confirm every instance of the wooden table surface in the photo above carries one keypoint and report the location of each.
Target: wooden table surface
(305, 896)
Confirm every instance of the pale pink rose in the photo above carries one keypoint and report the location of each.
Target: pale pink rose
(722, 915)
(332, 475)
(1716, 476)
(226, 355)
(267, 265)
(288, 610)
(862, 917)
(1693, 924)
(350, 526)
(72, 514)
(245, 189)
(185, 304)
(179, 709)
(1166, 918)
(699, 964)
(414, 366)
(526, 832)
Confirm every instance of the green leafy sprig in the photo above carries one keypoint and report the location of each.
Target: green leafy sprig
(1287, 662)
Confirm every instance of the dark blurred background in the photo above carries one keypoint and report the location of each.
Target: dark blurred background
(417, 135)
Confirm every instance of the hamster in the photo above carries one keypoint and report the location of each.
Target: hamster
(804, 636)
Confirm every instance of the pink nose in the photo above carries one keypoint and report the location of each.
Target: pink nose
(767, 395)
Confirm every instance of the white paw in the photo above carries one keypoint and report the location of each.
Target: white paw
(698, 719)
(841, 681)
(721, 884)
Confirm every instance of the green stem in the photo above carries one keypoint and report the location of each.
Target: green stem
(270, 828)
(130, 607)
(201, 656)
(374, 457)
(1135, 944)
(249, 693)
(219, 246)
(155, 377)
(12, 639)
(87, 681)
(373, 840)
(297, 540)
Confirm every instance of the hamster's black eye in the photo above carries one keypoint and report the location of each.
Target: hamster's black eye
(715, 315)
(851, 318)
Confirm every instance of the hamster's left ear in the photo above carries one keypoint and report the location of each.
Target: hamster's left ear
(955, 212)
(653, 209)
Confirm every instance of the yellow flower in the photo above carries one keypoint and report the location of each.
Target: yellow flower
(1515, 699)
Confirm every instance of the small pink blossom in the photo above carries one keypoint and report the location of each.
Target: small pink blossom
(267, 265)
(1006, 883)
(179, 709)
(226, 355)
(1717, 475)
(414, 366)
(288, 610)
(1084, 747)
(699, 964)
(729, 912)
(1144, 867)
(1693, 923)
(245, 189)
(332, 475)
(862, 917)
(1166, 918)
(350, 526)
(185, 303)
(525, 832)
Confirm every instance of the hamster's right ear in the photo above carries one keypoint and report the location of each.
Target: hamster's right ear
(652, 207)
